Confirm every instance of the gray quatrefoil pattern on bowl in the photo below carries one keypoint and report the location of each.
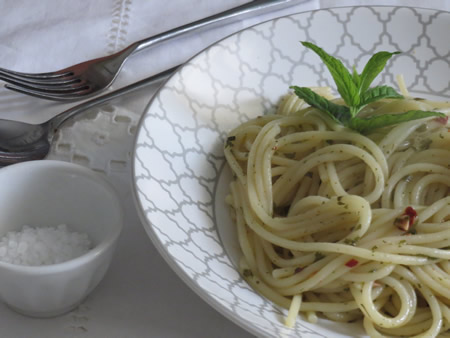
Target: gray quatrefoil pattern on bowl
(178, 163)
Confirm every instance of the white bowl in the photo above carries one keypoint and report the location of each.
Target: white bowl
(179, 169)
(49, 193)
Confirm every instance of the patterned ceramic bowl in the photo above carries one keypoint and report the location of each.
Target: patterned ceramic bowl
(179, 168)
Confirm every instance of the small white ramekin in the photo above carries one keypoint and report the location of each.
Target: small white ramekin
(49, 193)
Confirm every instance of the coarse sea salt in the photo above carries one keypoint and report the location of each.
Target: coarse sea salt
(34, 246)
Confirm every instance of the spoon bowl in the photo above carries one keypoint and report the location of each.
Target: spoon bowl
(21, 136)
(20, 141)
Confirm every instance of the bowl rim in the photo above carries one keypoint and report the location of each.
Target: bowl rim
(107, 242)
(147, 224)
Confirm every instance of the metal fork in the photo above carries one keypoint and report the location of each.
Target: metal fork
(88, 78)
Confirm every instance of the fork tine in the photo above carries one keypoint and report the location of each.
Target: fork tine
(42, 76)
(41, 82)
(68, 87)
(55, 96)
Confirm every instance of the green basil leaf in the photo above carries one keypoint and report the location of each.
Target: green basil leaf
(373, 67)
(338, 113)
(356, 77)
(378, 93)
(367, 125)
(344, 81)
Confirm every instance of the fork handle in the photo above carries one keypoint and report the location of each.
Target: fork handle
(232, 14)
(228, 16)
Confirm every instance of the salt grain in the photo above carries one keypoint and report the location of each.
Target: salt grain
(43, 246)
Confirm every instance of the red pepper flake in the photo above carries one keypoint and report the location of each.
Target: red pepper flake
(298, 269)
(442, 120)
(351, 263)
(274, 148)
(406, 221)
(412, 214)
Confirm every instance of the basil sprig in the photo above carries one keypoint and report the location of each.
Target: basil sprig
(355, 90)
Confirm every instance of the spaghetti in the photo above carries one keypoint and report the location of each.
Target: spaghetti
(348, 227)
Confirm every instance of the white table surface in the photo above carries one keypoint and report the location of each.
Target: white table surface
(140, 295)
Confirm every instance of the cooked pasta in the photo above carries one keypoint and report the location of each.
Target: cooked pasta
(343, 226)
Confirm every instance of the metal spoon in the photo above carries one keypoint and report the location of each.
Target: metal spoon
(20, 141)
